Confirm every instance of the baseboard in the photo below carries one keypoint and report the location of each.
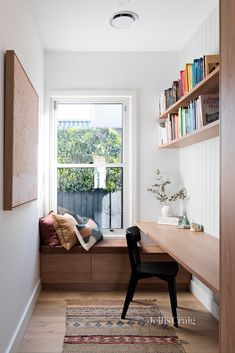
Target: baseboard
(205, 298)
(20, 329)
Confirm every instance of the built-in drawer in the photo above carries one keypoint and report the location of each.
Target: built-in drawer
(65, 268)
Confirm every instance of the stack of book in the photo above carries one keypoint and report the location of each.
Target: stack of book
(169, 220)
(189, 77)
(199, 113)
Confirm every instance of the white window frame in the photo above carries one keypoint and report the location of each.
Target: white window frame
(128, 99)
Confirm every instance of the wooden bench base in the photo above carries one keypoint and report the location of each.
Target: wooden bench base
(106, 267)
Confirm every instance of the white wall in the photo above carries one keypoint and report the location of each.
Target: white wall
(147, 73)
(199, 163)
(19, 260)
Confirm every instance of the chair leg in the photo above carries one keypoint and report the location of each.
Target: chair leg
(173, 299)
(129, 295)
(175, 294)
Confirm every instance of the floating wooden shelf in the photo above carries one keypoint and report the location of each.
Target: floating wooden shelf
(209, 131)
(209, 85)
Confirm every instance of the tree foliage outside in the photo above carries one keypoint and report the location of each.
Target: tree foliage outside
(82, 145)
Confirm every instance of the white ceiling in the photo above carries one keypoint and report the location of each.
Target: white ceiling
(83, 25)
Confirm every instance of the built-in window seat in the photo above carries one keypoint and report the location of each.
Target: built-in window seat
(105, 266)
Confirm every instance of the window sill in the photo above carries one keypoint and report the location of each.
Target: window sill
(114, 234)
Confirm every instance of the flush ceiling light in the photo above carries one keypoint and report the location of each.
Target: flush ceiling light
(123, 19)
(123, 2)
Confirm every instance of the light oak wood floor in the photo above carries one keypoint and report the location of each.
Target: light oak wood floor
(45, 331)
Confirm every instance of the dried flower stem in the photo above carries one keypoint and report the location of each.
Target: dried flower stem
(159, 190)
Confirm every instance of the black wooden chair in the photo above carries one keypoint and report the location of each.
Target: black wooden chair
(167, 271)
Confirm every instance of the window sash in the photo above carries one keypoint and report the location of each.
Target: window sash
(94, 165)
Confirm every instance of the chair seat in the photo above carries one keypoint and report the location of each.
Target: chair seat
(158, 268)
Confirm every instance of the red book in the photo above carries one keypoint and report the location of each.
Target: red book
(182, 79)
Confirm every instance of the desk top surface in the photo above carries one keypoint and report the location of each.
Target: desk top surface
(198, 252)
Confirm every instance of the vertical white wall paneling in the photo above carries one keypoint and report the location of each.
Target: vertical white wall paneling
(199, 163)
(199, 169)
(204, 41)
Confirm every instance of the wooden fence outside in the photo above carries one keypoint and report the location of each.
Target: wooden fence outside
(105, 208)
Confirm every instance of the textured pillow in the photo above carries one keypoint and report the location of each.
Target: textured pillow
(88, 234)
(47, 231)
(65, 229)
(79, 219)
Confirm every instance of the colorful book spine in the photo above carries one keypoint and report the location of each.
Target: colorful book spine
(193, 73)
(182, 80)
(188, 70)
(199, 113)
(179, 122)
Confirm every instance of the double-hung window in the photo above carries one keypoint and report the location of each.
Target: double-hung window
(92, 169)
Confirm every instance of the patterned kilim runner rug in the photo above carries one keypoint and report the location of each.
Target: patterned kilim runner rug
(96, 327)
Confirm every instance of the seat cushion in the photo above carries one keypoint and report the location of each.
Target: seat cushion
(169, 268)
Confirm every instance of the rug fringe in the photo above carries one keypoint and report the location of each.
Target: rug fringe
(91, 301)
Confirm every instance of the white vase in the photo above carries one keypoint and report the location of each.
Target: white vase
(167, 211)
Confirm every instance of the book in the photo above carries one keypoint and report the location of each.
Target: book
(182, 80)
(184, 120)
(186, 89)
(189, 77)
(200, 70)
(176, 91)
(210, 63)
(161, 103)
(188, 70)
(179, 123)
(200, 112)
(169, 220)
(163, 134)
(209, 108)
(168, 94)
(179, 90)
(199, 122)
(195, 77)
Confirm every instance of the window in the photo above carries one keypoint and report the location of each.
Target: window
(91, 172)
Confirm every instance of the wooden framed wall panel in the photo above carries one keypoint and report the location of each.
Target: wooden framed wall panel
(20, 135)
(227, 191)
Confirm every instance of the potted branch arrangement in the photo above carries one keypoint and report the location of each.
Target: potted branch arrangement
(159, 191)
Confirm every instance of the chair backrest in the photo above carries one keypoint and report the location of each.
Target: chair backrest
(132, 238)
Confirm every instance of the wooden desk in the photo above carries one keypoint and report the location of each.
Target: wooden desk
(196, 251)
